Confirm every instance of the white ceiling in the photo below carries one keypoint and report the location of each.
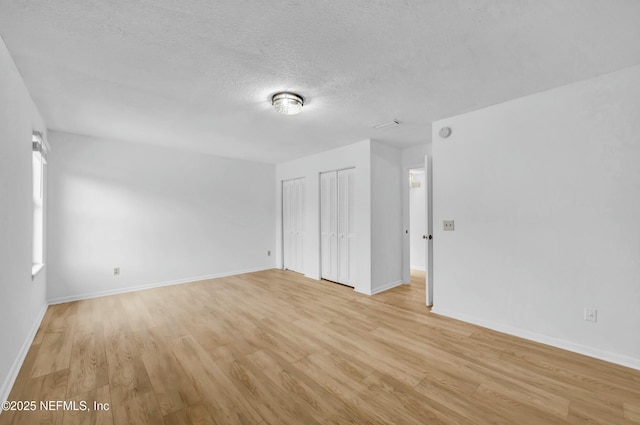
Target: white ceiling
(198, 74)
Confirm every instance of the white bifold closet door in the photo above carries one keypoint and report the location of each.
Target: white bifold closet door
(293, 224)
(337, 226)
(329, 226)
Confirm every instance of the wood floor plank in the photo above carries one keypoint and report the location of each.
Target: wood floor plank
(581, 412)
(399, 404)
(445, 397)
(313, 398)
(60, 317)
(170, 384)
(345, 387)
(529, 395)
(140, 410)
(632, 411)
(137, 312)
(55, 354)
(193, 415)
(223, 400)
(55, 335)
(98, 404)
(273, 403)
(88, 364)
(274, 347)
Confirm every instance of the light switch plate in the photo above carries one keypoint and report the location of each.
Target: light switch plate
(448, 225)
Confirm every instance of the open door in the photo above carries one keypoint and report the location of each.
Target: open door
(428, 198)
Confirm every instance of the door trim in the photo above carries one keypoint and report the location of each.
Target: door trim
(427, 165)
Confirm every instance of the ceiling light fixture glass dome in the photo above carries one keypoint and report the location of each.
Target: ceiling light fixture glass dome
(287, 103)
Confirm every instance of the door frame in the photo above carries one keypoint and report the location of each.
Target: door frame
(428, 179)
(406, 225)
(406, 263)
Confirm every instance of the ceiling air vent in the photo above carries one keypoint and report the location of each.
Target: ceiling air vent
(386, 124)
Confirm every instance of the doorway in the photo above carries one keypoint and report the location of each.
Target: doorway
(418, 244)
(417, 222)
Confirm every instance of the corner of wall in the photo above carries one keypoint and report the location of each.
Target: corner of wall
(386, 217)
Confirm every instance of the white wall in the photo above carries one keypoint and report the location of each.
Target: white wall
(386, 217)
(544, 191)
(356, 155)
(22, 301)
(414, 156)
(417, 222)
(161, 215)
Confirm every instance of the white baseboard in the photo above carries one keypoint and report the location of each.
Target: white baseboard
(367, 292)
(90, 295)
(7, 385)
(386, 287)
(421, 268)
(382, 288)
(597, 353)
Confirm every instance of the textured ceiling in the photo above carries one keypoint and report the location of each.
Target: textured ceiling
(198, 74)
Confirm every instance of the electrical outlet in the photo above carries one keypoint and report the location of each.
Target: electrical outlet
(269, 253)
(116, 271)
(448, 225)
(590, 314)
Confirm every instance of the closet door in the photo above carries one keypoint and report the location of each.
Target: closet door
(337, 226)
(288, 241)
(293, 224)
(298, 218)
(328, 226)
(346, 227)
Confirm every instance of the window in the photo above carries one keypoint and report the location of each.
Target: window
(39, 161)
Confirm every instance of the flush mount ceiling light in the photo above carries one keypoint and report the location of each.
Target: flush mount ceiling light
(287, 103)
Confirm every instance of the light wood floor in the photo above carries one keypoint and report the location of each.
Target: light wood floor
(275, 348)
